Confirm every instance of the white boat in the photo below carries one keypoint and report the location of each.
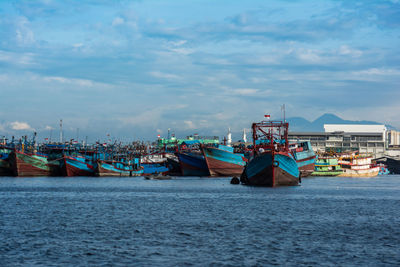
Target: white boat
(357, 166)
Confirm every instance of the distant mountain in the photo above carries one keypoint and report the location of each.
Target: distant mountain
(299, 124)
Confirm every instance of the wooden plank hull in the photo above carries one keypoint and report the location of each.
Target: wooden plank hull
(307, 170)
(305, 158)
(73, 167)
(193, 165)
(104, 169)
(154, 168)
(25, 165)
(5, 168)
(223, 163)
(372, 172)
(271, 170)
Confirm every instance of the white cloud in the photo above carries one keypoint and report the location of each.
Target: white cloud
(346, 50)
(118, 21)
(162, 75)
(48, 127)
(309, 55)
(152, 116)
(81, 82)
(245, 91)
(23, 33)
(77, 45)
(16, 125)
(378, 71)
(17, 58)
(189, 125)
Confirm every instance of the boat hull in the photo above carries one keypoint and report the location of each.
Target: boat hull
(393, 165)
(372, 172)
(271, 170)
(326, 173)
(25, 165)
(74, 167)
(193, 165)
(305, 158)
(104, 169)
(223, 163)
(154, 168)
(174, 167)
(5, 168)
(307, 167)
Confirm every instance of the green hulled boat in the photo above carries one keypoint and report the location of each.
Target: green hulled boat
(327, 166)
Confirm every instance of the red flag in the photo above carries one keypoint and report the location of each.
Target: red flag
(267, 116)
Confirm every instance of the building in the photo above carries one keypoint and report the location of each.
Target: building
(393, 138)
(346, 137)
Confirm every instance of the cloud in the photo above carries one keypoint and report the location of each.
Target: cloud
(13, 58)
(23, 32)
(162, 75)
(123, 64)
(245, 91)
(189, 125)
(16, 125)
(346, 50)
(118, 21)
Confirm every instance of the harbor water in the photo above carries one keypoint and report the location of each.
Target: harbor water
(199, 222)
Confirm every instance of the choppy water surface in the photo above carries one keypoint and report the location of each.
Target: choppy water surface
(194, 221)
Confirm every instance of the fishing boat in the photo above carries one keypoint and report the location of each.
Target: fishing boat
(5, 168)
(222, 161)
(27, 164)
(118, 168)
(78, 166)
(304, 156)
(174, 167)
(327, 166)
(392, 164)
(355, 165)
(193, 164)
(271, 163)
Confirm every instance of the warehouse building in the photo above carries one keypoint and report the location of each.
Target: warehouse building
(346, 137)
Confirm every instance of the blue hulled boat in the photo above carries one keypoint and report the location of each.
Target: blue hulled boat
(222, 161)
(305, 157)
(119, 168)
(271, 163)
(193, 164)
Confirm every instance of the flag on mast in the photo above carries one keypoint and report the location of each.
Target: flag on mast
(267, 116)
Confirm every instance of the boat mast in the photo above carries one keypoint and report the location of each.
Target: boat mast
(61, 134)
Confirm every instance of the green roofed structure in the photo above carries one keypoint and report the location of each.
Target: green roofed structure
(193, 139)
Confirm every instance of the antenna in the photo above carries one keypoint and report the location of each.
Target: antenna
(61, 132)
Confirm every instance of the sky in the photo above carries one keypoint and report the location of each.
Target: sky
(133, 69)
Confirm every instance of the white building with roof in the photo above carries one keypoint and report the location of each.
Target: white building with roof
(346, 137)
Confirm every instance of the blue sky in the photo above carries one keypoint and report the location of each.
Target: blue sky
(133, 69)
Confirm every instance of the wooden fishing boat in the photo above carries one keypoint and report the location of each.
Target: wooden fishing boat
(5, 167)
(26, 165)
(304, 156)
(78, 166)
(327, 166)
(357, 166)
(118, 168)
(271, 163)
(193, 164)
(222, 161)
